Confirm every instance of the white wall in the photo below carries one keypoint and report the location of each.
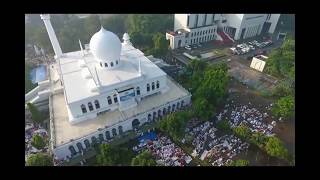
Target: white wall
(274, 21)
(63, 150)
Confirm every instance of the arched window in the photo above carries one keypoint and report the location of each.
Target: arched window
(138, 91)
(148, 87)
(96, 103)
(87, 143)
(109, 100)
(101, 64)
(106, 64)
(94, 140)
(101, 139)
(108, 135)
(152, 86)
(182, 103)
(169, 109)
(164, 111)
(120, 130)
(159, 113)
(158, 84)
(72, 150)
(173, 107)
(114, 132)
(116, 61)
(178, 105)
(80, 147)
(90, 106)
(111, 64)
(83, 108)
(135, 123)
(154, 115)
(115, 98)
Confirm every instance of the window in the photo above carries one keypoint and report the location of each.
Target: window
(83, 108)
(109, 100)
(101, 64)
(94, 140)
(108, 135)
(96, 103)
(204, 20)
(101, 139)
(182, 103)
(116, 61)
(158, 85)
(114, 132)
(200, 33)
(187, 35)
(111, 64)
(138, 90)
(188, 20)
(148, 87)
(120, 130)
(106, 64)
(90, 106)
(196, 21)
(212, 19)
(191, 34)
(152, 86)
(115, 98)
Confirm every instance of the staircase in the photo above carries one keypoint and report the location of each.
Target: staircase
(226, 39)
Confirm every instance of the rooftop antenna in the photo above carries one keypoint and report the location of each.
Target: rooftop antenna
(99, 83)
(139, 67)
(81, 47)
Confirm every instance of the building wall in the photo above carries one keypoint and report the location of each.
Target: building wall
(274, 21)
(77, 115)
(62, 151)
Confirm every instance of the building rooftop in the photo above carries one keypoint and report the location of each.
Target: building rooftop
(64, 131)
(78, 87)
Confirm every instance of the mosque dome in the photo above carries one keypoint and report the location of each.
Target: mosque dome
(105, 46)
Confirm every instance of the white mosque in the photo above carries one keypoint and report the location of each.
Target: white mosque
(103, 90)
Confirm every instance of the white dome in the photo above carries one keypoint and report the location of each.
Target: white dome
(105, 46)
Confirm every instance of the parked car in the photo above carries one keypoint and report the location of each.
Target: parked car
(188, 48)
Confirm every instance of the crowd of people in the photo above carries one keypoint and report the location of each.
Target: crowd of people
(250, 116)
(30, 130)
(217, 150)
(164, 151)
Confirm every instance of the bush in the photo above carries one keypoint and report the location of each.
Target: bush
(242, 131)
(39, 159)
(38, 142)
(274, 147)
(224, 125)
(284, 107)
(143, 159)
(239, 162)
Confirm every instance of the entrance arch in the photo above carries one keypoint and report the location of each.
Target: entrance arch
(114, 132)
(87, 143)
(108, 135)
(179, 43)
(72, 150)
(120, 130)
(80, 147)
(149, 117)
(135, 123)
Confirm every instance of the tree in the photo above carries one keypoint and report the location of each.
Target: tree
(35, 114)
(143, 159)
(107, 155)
(239, 162)
(115, 24)
(274, 147)
(224, 125)
(160, 44)
(242, 131)
(39, 159)
(284, 107)
(174, 124)
(203, 109)
(258, 138)
(38, 141)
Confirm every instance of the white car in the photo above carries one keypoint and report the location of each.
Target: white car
(187, 47)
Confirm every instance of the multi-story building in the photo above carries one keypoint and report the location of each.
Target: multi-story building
(198, 28)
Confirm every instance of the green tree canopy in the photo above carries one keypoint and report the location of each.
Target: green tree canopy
(203, 109)
(160, 44)
(39, 159)
(109, 155)
(242, 131)
(284, 107)
(144, 159)
(239, 162)
(38, 141)
(275, 147)
(174, 124)
(224, 125)
(35, 114)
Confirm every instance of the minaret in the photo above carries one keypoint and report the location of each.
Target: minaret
(52, 35)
